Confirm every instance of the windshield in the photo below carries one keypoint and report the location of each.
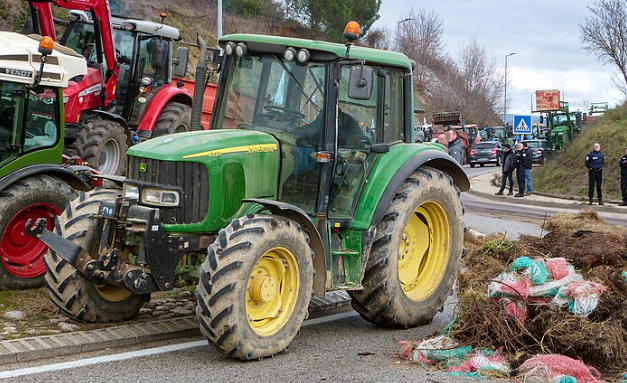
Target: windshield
(40, 118)
(560, 119)
(81, 38)
(285, 99)
(533, 144)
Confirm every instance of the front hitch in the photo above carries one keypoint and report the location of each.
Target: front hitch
(106, 269)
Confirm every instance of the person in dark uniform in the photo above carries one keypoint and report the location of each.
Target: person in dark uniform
(623, 177)
(594, 162)
(528, 166)
(521, 169)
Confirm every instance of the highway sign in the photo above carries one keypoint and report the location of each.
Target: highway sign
(522, 125)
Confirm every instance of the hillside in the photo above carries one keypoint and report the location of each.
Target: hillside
(567, 173)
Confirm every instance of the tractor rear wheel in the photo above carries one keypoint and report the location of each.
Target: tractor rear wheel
(43, 196)
(74, 295)
(255, 286)
(414, 259)
(103, 144)
(174, 118)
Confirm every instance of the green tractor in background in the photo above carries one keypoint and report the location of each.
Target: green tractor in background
(33, 183)
(308, 181)
(562, 126)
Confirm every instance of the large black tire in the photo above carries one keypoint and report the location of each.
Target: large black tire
(39, 196)
(223, 290)
(74, 295)
(103, 144)
(383, 300)
(174, 118)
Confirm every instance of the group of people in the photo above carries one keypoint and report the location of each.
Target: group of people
(521, 160)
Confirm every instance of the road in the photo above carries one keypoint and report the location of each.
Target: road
(338, 348)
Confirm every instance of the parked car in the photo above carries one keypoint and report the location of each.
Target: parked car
(541, 150)
(486, 153)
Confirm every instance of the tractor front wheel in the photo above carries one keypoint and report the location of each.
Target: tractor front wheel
(414, 259)
(174, 118)
(22, 265)
(255, 286)
(74, 295)
(103, 144)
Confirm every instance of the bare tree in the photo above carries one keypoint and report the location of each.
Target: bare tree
(378, 38)
(420, 36)
(604, 34)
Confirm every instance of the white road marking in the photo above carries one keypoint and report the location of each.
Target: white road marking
(141, 353)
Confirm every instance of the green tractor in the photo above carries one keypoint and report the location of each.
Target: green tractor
(308, 181)
(562, 126)
(33, 183)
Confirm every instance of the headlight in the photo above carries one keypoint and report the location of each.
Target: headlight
(160, 197)
(130, 192)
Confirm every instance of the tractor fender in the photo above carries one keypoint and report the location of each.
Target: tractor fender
(315, 240)
(157, 103)
(432, 158)
(75, 181)
(114, 117)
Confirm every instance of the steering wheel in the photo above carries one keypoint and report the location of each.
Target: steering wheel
(288, 114)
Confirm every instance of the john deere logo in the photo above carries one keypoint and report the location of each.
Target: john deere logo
(143, 168)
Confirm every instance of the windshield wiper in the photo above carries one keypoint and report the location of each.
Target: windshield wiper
(300, 87)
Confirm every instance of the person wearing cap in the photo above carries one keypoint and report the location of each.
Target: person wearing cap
(528, 166)
(595, 162)
(507, 170)
(623, 177)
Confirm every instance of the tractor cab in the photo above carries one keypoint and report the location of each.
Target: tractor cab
(143, 49)
(31, 102)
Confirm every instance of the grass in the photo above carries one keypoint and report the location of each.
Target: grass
(568, 175)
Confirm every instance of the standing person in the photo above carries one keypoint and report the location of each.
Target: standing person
(528, 166)
(594, 162)
(623, 177)
(521, 168)
(508, 170)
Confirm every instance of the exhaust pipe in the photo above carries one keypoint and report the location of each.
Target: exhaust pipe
(199, 86)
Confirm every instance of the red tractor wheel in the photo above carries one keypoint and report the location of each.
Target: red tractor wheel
(21, 257)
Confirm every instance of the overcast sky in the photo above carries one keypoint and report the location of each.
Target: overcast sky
(543, 33)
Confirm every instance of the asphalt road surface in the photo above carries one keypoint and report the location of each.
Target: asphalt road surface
(339, 348)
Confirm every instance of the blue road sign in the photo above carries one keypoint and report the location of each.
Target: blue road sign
(522, 125)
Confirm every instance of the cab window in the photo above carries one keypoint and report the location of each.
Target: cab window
(393, 117)
(42, 120)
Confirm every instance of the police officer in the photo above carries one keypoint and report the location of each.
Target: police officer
(528, 166)
(521, 168)
(594, 162)
(623, 177)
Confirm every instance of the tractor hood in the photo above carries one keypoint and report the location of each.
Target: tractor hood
(195, 146)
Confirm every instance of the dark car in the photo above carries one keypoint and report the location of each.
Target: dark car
(541, 150)
(482, 153)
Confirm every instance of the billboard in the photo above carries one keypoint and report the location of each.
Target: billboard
(547, 100)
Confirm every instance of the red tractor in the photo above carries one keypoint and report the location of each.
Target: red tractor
(127, 95)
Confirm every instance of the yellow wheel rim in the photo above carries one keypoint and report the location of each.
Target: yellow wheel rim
(113, 293)
(272, 291)
(424, 251)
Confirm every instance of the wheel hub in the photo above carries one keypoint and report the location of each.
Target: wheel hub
(263, 288)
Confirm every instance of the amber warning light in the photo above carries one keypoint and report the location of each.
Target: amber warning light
(46, 44)
(351, 32)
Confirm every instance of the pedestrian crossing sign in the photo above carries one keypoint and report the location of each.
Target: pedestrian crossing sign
(522, 125)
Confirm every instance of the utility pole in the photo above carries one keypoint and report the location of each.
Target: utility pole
(219, 19)
(398, 32)
(505, 101)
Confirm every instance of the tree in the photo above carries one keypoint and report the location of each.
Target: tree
(420, 37)
(377, 38)
(328, 18)
(604, 34)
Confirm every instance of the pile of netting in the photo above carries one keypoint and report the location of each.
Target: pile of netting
(553, 308)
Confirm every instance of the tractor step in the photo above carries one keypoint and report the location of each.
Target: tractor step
(333, 302)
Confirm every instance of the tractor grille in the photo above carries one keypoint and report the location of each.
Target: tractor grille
(191, 177)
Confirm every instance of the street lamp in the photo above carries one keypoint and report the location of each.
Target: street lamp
(219, 19)
(505, 103)
(398, 32)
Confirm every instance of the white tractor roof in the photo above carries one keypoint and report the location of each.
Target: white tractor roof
(20, 61)
(148, 27)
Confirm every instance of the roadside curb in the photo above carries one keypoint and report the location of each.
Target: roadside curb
(46, 346)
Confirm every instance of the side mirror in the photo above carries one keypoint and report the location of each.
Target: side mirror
(180, 62)
(542, 118)
(360, 82)
(158, 53)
